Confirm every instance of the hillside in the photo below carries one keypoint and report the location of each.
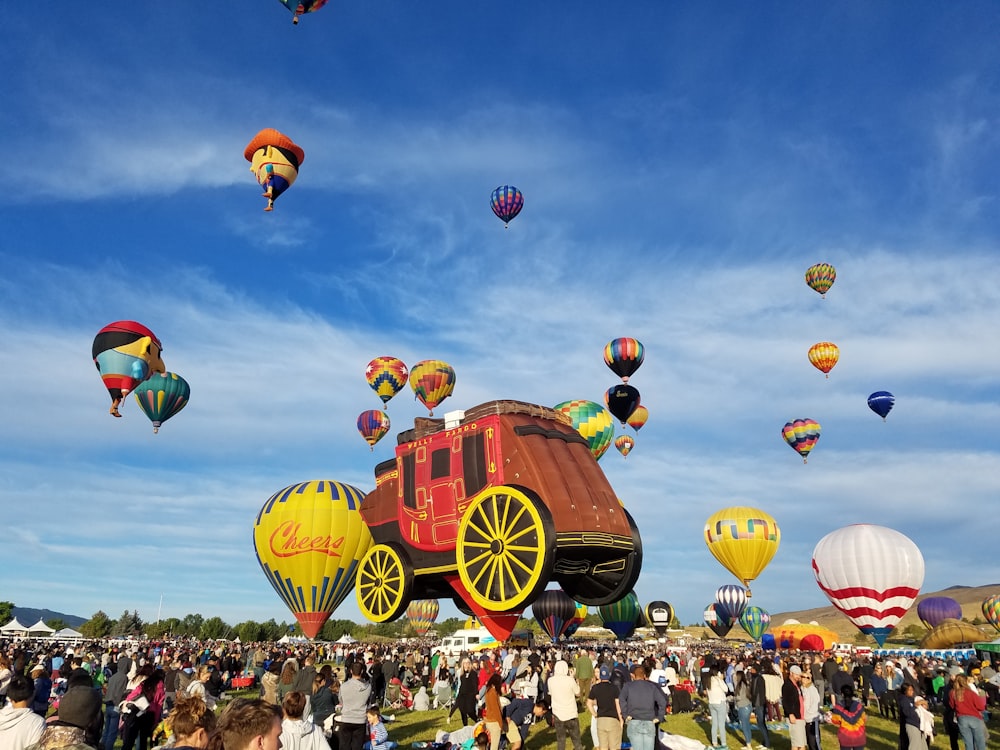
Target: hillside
(29, 616)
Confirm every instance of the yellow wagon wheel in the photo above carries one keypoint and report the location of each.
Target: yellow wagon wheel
(506, 546)
(384, 582)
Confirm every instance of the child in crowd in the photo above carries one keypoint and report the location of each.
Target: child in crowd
(378, 735)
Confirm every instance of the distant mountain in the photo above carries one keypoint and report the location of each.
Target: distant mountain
(29, 616)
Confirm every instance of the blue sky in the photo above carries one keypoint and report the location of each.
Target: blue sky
(682, 165)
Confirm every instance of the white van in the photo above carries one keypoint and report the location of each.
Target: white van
(467, 640)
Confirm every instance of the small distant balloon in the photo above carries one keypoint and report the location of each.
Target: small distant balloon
(659, 615)
(386, 376)
(624, 444)
(824, 356)
(991, 610)
(507, 203)
(432, 382)
(161, 396)
(638, 418)
(275, 160)
(731, 600)
(622, 401)
(801, 435)
(754, 621)
(820, 277)
(373, 425)
(624, 356)
(881, 402)
(300, 7)
(717, 620)
(422, 613)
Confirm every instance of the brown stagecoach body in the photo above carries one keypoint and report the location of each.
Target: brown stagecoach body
(489, 510)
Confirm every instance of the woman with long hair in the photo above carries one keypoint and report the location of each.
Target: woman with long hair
(493, 713)
(191, 722)
(144, 706)
(297, 732)
(848, 715)
(744, 706)
(718, 705)
(287, 679)
(969, 705)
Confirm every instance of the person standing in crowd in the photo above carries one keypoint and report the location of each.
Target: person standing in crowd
(606, 711)
(114, 693)
(848, 715)
(910, 737)
(250, 725)
(810, 711)
(191, 723)
(948, 717)
(969, 705)
(583, 666)
(758, 697)
(791, 704)
(146, 701)
(493, 713)
(714, 686)
(323, 701)
(19, 725)
(354, 696)
(43, 689)
(563, 690)
(269, 683)
(297, 732)
(467, 695)
(643, 705)
(744, 706)
(79, 712)
(303, 682)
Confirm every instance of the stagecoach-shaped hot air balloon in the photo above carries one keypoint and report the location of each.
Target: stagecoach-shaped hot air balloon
(487, 510)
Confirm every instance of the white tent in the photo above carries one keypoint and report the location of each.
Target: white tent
(346, 639)
(67, 634)
(13, 628)
(40, 630)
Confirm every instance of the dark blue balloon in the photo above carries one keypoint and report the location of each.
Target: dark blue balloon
(881, 403)
(622, 400)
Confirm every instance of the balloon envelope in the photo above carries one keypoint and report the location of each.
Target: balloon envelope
(298, 7)
(639, 417)
(754, 621)
(624, 356)
(386, 376)
(824, 356)
(870, 573)
(162, 396)
(743, 539)
(730, 601)
(275, 160)
(422, 613)
(506, 202)
(126, 353)
(624, 444)
(717, 621)
(801, 435)
(432, 382)
(554, 610)
(881, 402)
(991, 610)
(820, 277)
(592, 421)
(622, 401)
(373, 425)
(309, 538)
(951, 632)
(659, 615)
(577, 621)
(934, 610)
(621, 616)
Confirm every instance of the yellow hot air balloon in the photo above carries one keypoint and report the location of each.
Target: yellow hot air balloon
(309, 538)
(824, 356)
(743, 539)
(432, 382)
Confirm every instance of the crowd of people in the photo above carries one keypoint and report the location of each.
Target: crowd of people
(323, 696)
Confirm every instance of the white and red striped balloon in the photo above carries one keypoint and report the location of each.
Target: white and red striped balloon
(870, 573)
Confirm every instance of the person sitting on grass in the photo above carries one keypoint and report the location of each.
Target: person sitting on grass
(378, 735)
(298, 733)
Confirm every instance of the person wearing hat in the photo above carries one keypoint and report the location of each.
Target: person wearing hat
(604, 706)
(43, 689)
(79, 712)
(19, 725)
(792, 706)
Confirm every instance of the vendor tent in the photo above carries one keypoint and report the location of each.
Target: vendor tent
(13, 628)
(40, 630)
(346, 639)
(67, 634)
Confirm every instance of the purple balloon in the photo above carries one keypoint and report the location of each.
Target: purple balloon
(934, 609)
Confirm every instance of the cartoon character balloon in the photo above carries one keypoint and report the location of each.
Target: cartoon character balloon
(717, 620)
(432, 382)
(801, 435)
(125, 354)
(933, 610)
(621, 616)
(638, 418)
(592, 421)
(624, 356)
(161, 396)
(554, 610)
(624, 444)
(622, 401)
(824, 356)
(386, 376)
(991, 610)
(820, 277)
(881, 402)
(300, 7)
(731, 600)
(373, 425)
(743, 539)
(309, 538)
(422, 613)
(870, 573)
(754, 621)
(507, 203)
(659, 615)
(275, 160)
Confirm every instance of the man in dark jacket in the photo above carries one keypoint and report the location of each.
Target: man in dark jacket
(114, 693)
(758, 699)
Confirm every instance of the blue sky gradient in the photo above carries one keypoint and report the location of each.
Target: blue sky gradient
(682, 165)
